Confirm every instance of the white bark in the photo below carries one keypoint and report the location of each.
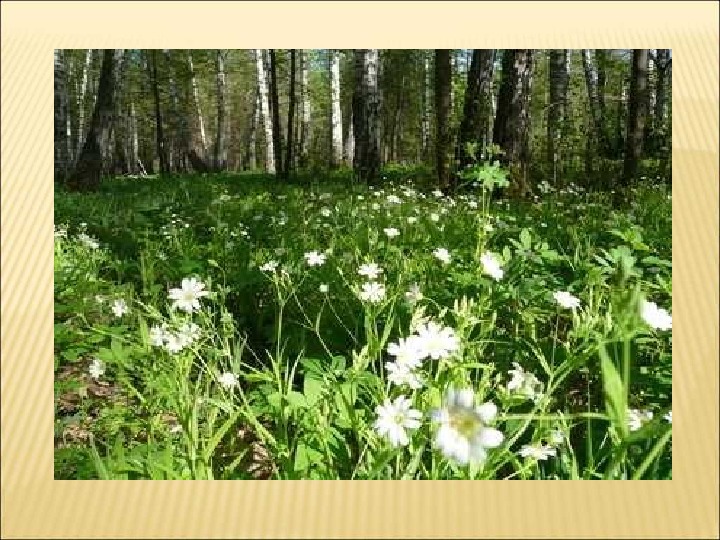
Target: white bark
(427, 100)
(81, 100)
(196, 97)
(336, 112)
(265, 109)
(305, 127)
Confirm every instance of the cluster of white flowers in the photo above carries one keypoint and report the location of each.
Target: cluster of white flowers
(430, 341)
(391, 232)
(491, 266)
(88, 241)
(443, 255)
(228, 380)
(656, 317)
(97, 368)
(174, 342)
(187, 297)
(371, 291)
(637, 418)
(313, 258)
(566, 300)
(120, 308)
(269, 266)
(524, 383)
(538, 451)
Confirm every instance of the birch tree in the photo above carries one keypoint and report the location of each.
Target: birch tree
(263, 91)
(335, 112)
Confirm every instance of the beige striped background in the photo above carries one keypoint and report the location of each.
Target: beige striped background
(34, 505)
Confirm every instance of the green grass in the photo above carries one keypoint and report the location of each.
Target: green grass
(311, 365)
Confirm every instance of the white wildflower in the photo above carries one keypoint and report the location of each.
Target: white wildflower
(314, 258)
(464, 435)
(442, 255)
(566, 300)
(491, 266)
(372, 292)
(187, 297)
(395, 418)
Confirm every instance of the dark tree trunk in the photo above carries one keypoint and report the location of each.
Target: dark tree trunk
(62, 157)
(597, 103)
(659, 126)
(88, 170)
(159, 133)
(512, 122)
(477, 106)
(443, 84)
(366, 158)
(291, 112)
(276, 133)
(305, 122)
(220, 154)
(557, 108)
(637, 115)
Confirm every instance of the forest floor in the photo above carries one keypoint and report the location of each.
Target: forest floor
(233, 326)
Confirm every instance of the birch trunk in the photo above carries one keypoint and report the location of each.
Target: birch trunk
(265, 110)
(81, 99)
(336, 111)
(275, 112)
(196, 98)
(220, 154)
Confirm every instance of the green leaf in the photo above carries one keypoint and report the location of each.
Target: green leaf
(614, 392)
(305, 456)
(313, 389)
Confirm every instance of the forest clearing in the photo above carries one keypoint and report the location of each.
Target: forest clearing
(363, 264)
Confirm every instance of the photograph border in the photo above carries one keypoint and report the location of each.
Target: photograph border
(36, 506)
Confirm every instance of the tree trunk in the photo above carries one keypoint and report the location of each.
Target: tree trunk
(291, 113)
(263, 89)
(426, 99)
(477, 106)
(443, 84)
(558, 80)
(659, 128)
(250, 150)
(305, 123)
(335, 111)
(88, 170)
(512, 122)
(159, 130)
(61, 118)
(596, 102)
(196, 98)
(637, 114)
(81, 100)
(350, 143)
(275, 109)
(220, 154)
(397, 117)
(366, 158)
